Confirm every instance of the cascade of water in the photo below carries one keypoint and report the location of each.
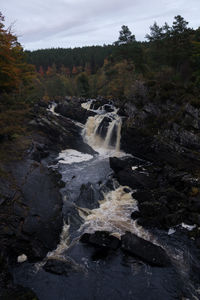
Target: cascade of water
(113, 215)
(94, 131)
(87, 105)
(52, 109)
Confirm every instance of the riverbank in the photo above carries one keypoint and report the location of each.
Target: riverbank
(163, 180)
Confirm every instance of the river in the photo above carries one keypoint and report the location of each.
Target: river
(94, 201)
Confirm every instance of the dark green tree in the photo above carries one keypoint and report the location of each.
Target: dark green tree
(156, 33)
(125, 36)
(83, 85)
(179, 25)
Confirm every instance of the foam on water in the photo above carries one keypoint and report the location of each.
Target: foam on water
(113, 215)
(71, 156)
(52, 109)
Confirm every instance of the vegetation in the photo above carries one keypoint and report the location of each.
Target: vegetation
(165, 67)
(16, 78)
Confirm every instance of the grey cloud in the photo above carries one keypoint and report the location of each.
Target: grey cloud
(69, 23)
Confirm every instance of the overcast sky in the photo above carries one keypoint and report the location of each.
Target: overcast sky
(72, 23)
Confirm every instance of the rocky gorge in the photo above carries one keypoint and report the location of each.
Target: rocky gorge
(103, 190)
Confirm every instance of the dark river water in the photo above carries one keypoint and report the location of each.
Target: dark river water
(93, 201)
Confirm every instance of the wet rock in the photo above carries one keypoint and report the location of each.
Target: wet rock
(102, 239)
(31, 218)
(145, 250)
(103, 127)
(195, 218)
(119, 164)
(59, 267)
(62, 133)
(135, 179)
(18, 293)
(39, 151)
(174, 218)
(73, 111)
(126, 190)
(142, 196)
(89, 196)
(31, 224)
(108, 108)
(99, 102)
(153, 209)
(194, 205)
(135, 215)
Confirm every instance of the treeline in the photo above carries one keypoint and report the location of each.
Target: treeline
(167, 64)
(70, 60)
(165, 67)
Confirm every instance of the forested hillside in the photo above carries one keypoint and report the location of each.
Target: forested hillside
(70, 60)
(168, 62)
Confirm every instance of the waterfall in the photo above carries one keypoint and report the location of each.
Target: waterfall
(87, 105)
(103, 131)
(52, 109)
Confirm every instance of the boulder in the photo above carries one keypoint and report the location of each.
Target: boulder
(101, 239)
(60, 267)
(145, 250)
(103, 127)
(73, 111)
(89, 196)
(136, 179)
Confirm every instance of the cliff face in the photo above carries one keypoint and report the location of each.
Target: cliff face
(165, 133)
(167, 137)
(30, 200)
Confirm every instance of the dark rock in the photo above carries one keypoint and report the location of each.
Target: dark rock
(31, 219)
(194, 205)
(39, 152)
(60, 267)
(119, 164)
(31, 224)
(103, 127)
(73, 111)
(62, 133)
(136, 179)
(174, 218)
(108, 108)
(126, 190)
(194, 218)
(198, 242)
(153, 209)
(135, 215)
(142, 196)
(42, 104)
(18, 293)
(89, 196)
(145, 250)
(122, 112)
(98, 103)
(102, 239)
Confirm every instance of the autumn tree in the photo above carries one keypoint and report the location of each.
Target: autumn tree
(14, 71)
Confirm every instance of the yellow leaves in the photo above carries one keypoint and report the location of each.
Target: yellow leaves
(13, 69)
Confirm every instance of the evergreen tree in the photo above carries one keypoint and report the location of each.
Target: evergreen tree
(156, 33)
(125, 36)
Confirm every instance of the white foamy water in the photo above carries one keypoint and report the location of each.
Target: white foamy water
(104, 146)
(87, 105)
(62, 246)
(71, 156)
(52, 109)
(114, 215)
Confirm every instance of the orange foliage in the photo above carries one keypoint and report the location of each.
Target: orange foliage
(14, 71)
